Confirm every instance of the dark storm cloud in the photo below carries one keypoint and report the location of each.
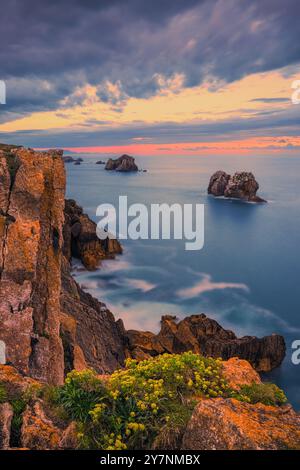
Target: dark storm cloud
(48, 48)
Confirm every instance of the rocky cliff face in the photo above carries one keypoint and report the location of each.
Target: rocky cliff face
(205, 336)
(48, 325)
(32, 186)
(91, 337)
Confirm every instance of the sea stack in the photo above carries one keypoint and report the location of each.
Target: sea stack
(242, 185)
(125, 164)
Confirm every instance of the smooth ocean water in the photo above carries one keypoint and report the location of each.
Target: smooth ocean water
(246, 276)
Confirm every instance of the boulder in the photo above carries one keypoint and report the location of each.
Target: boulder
(205, 336)
(239, 372)
(125, 163)
(242, 185)
(228, 424)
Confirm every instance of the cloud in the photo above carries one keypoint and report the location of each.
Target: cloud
(207, 285)
(137, 49)
(271, 100)
(277, 123)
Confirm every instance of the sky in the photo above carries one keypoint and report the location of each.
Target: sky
(151, 77)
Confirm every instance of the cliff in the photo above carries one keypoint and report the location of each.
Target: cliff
(47, 323)
(32, 187)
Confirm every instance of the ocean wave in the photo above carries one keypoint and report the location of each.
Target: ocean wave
(140, 284)
(206, 285)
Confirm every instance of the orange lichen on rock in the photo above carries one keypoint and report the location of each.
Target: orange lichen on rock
(14, 382)
(38, 431)
(32, 189)
(239, 372)
(228, 424)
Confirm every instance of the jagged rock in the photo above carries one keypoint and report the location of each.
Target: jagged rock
(125, 163)
(228, 424)
(81, 241)
(100, 162)
(205, 336)
(218, 183)
(31, 207)
(6, 414)
(242, 185)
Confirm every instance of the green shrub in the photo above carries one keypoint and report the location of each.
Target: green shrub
(266, 393)
(145, 400)
(81, 392)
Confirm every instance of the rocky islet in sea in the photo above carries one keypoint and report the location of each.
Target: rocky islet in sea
(241, 185)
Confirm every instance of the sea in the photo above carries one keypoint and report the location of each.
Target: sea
(246, 276)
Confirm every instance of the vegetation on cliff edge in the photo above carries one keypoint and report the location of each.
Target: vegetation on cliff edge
(148, 404)
(145, 405)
